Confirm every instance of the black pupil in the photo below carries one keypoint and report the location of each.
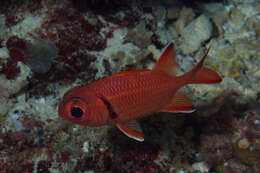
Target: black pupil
(76, 112)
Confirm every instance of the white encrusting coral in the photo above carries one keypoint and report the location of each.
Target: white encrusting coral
(195, 33)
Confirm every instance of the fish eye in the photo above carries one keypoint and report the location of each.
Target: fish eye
(76, 112)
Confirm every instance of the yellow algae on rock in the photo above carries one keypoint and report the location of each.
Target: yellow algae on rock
(219, 18)
(243, 143)
(172, 13)
(156, 53)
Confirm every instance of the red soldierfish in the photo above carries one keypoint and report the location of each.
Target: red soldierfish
(124, 97)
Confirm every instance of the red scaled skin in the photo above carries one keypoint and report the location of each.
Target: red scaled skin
(130, 96)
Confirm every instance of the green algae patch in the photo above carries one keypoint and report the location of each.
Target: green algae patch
(247, 156)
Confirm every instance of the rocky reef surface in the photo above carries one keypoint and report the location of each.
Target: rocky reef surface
(48, 47)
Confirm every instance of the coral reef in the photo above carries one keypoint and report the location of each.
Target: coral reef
(48, 47)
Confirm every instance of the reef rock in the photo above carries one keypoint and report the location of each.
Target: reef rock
(195, 33)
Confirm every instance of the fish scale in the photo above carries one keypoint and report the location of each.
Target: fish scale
(124, 97)
(147, 90)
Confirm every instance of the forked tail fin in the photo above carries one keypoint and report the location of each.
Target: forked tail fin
(198, 75)
(202, 75)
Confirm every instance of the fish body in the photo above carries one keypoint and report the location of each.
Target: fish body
(122, 98)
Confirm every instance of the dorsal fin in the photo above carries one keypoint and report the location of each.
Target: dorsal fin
(167, 62)
(122, 73)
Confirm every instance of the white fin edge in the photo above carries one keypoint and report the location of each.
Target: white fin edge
(132, 137)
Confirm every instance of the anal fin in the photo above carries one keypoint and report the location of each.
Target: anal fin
(180, 103)
(132, 129)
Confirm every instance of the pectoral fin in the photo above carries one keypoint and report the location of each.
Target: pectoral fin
(180, 103)
(132, 129)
